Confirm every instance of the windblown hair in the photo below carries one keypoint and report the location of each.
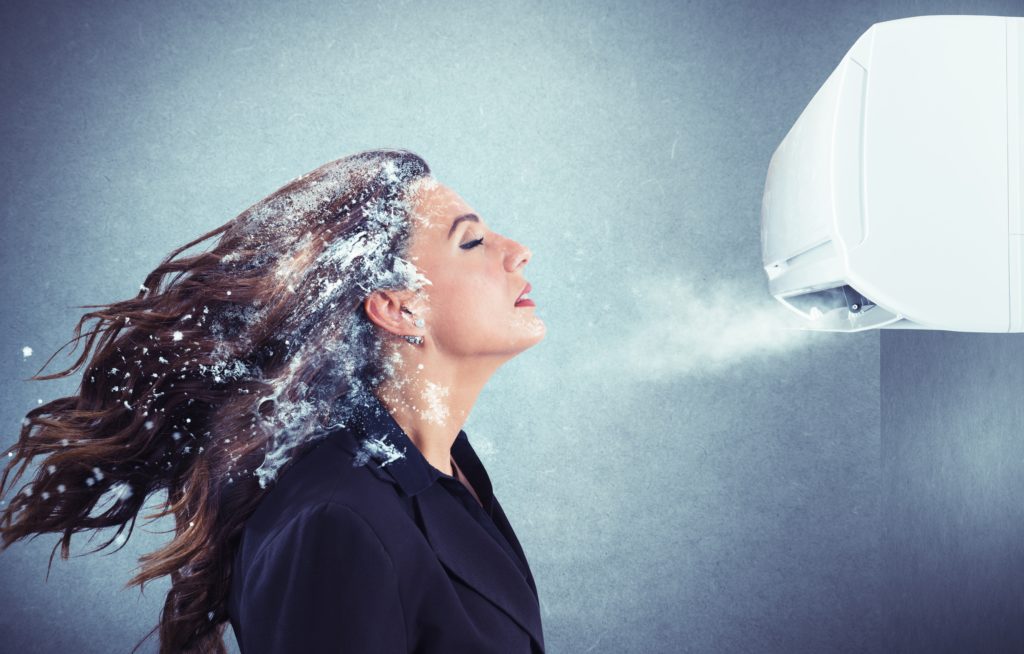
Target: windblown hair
(223, 368)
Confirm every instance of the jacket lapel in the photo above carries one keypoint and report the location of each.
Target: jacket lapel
(461, 544)
(501, 521)
(471, 554)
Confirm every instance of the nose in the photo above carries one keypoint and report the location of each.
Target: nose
(516, 255)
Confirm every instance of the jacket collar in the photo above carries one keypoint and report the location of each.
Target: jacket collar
(383, 440)
(459, 542)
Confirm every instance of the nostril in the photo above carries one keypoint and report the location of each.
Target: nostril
(525, 256)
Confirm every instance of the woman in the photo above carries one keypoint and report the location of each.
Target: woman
(299, 392)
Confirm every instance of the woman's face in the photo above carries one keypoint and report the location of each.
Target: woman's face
(476, 277)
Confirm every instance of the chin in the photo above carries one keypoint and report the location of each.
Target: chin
(529, 324)
(520, 343)
(536, 331)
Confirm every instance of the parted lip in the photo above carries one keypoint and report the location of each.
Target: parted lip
(526, 289)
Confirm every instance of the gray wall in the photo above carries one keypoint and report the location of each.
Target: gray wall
(684, 473)
(953, 465)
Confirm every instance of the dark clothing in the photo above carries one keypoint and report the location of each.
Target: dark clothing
(388, 557)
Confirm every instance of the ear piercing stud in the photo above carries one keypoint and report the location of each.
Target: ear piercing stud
(415, 340)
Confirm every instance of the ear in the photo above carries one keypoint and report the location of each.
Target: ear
(384, 308)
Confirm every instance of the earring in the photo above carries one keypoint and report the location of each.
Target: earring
(415, 340)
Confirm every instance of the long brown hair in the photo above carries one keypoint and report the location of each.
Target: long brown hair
(215, 376)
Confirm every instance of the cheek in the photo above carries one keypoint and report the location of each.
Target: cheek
(468, 307)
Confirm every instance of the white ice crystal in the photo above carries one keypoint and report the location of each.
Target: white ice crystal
(222, 371)
(322, 272)
(121, 491)
(118, 492)
(322, 268)
(437, 409)
(376, 449)
(26, 352)
(293, 423)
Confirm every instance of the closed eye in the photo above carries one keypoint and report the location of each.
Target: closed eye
(472, 244)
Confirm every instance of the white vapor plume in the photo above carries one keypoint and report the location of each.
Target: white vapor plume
(682, 327)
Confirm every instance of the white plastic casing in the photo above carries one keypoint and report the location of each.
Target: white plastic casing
(901, 180)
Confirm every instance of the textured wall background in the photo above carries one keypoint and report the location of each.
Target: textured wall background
(953, 464)
(683, 474)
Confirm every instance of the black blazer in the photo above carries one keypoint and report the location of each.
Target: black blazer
(381, 557)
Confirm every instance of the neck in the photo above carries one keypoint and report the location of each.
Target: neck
(432, 403)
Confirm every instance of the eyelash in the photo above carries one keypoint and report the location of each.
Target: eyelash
(472, 244)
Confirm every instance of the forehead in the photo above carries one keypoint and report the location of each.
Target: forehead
(435, 206)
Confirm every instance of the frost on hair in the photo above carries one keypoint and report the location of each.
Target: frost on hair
(324, 330)
(203, 386)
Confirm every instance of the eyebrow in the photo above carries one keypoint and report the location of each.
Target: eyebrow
(467, 216)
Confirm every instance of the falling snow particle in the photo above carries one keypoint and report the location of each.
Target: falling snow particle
(26, 351)
(120, 491)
